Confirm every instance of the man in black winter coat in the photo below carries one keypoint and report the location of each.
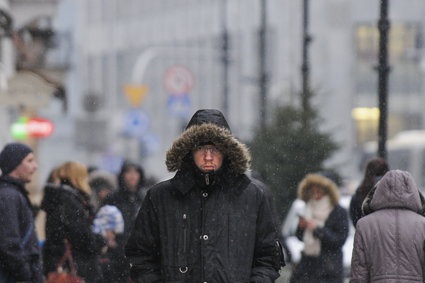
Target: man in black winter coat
(19, 249)
(209, 223)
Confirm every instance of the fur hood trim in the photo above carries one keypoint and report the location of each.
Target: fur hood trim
(235, 153)
(323, 182)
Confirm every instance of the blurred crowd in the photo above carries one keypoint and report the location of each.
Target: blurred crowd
(86, 209)
(90, 214)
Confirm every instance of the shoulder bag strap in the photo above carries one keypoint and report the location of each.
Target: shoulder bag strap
(67, 257)
(27, 235)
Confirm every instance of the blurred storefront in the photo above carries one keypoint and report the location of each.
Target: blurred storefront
(30, 77)
(140, 68)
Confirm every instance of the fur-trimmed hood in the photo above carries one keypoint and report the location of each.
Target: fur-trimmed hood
(321, 181)
(208, 125)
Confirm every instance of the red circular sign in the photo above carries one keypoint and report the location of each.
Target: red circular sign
(178, 80)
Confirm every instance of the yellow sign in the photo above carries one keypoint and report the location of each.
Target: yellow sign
(135, 93)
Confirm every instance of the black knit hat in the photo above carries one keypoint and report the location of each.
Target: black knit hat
(12, 155)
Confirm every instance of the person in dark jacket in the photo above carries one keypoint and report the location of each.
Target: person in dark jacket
(209, 223)
(375, 169)
(19, 249)
(69, 216)
(130, 193)
(102, 184)
(128, 199)
(323, 228)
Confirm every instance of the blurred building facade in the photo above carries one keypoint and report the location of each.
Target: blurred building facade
(30, 73)
(140, 68)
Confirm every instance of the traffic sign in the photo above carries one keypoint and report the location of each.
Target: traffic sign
(178, 80)
(136, 123)
(135, 93)
(179, 105)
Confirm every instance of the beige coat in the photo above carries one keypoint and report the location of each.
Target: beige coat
(389, 242)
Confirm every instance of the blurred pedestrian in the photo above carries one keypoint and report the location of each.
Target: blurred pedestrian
(69, 217)
(209, 223)
(323, 227)
(129, 196)
(128, 199)
(110, 224)
(389, 239)
(19, 249)
(375, 169)
(102, 184)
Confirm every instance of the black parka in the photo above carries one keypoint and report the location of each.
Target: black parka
(19, 258)
(205, 227)
(69, 217)
(126, 201)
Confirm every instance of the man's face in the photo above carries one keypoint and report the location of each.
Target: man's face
(25, 169)
(208, 158)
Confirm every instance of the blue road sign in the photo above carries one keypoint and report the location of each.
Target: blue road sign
(179, 105)
(136, 123)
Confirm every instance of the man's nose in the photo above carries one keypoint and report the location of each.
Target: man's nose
(208, 155)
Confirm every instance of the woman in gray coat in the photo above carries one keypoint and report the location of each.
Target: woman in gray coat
(389, 240)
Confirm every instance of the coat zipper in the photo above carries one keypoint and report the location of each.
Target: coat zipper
(184, 232)
(183, 269)
(207, 179)
(203, 231)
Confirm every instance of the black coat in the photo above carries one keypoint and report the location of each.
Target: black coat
(356, 207)
(125, 200)
(215, 227)
(68, 216)
(226, 234)
(20, 263)
(328, 266)
(129, 204)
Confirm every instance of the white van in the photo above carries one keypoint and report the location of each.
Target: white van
(406, 151)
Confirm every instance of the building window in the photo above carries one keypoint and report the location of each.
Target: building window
(405, 43)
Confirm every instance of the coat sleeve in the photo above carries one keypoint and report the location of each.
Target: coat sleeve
(267, 254)
(359, 266)
(355, 209)
(12, 256)
(78, 230)
(143, 248)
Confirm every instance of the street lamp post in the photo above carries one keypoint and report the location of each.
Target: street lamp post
(383, 73)
(305, 67)
(225, 58)
(263, 80)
